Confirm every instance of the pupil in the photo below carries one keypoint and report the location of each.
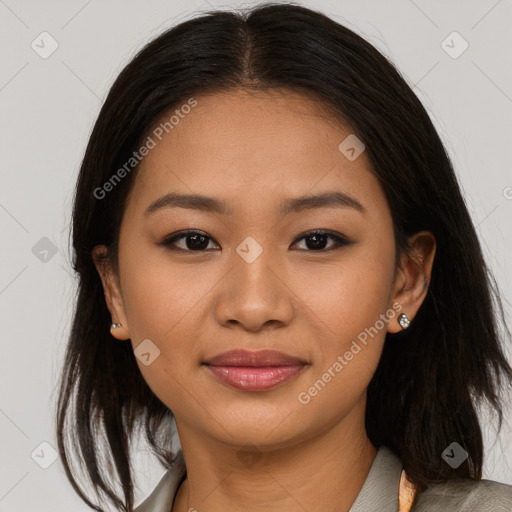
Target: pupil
(195, 245)
(316, 244)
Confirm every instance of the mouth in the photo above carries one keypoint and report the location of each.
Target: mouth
(254, 371)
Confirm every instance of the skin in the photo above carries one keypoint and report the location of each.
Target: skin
(254, 151)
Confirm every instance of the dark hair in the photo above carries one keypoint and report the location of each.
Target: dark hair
(430, 378)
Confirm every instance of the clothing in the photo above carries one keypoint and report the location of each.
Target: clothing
(162, 497)
(378, 494)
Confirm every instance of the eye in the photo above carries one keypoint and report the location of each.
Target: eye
(197, 241)
(318, 238)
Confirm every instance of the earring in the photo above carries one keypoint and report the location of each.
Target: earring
(403, 320)
(115, 326)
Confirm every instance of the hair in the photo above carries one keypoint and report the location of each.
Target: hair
(430, 378)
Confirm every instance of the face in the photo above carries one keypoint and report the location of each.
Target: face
(256, 276)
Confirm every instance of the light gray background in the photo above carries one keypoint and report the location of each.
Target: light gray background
(47, 109)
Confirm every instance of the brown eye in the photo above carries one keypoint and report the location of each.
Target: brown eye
(194, 241)
(316, 241)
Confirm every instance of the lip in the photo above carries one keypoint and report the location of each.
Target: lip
(254, 371)
(242, 357)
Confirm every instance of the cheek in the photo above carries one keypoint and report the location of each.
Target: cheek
(162, 304)
(351, 294)
(167, 303)
(161, 296)
(348, 349)
(351, 300)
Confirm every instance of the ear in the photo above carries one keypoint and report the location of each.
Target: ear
(112, 292)
(413, 279)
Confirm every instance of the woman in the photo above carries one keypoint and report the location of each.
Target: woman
(276, 264)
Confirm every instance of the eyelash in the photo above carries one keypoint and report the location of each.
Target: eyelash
(340, 240)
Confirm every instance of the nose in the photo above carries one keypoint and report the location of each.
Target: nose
(255, 295)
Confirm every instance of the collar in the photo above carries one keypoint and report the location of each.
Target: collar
(162, 497)
(380, 489)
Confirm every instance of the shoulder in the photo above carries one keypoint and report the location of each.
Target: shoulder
(465, 496)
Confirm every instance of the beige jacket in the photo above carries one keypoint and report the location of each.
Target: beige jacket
(378, 494)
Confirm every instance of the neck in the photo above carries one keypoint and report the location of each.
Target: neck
(322, 473)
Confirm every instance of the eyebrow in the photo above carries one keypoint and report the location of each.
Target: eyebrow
(333, 199)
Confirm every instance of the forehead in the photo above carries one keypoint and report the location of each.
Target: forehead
(241, 145)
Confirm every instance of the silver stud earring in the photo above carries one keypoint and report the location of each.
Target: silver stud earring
(115, 326)
(403, 320)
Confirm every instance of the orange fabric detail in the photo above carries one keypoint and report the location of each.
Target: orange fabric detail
(406, 493)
